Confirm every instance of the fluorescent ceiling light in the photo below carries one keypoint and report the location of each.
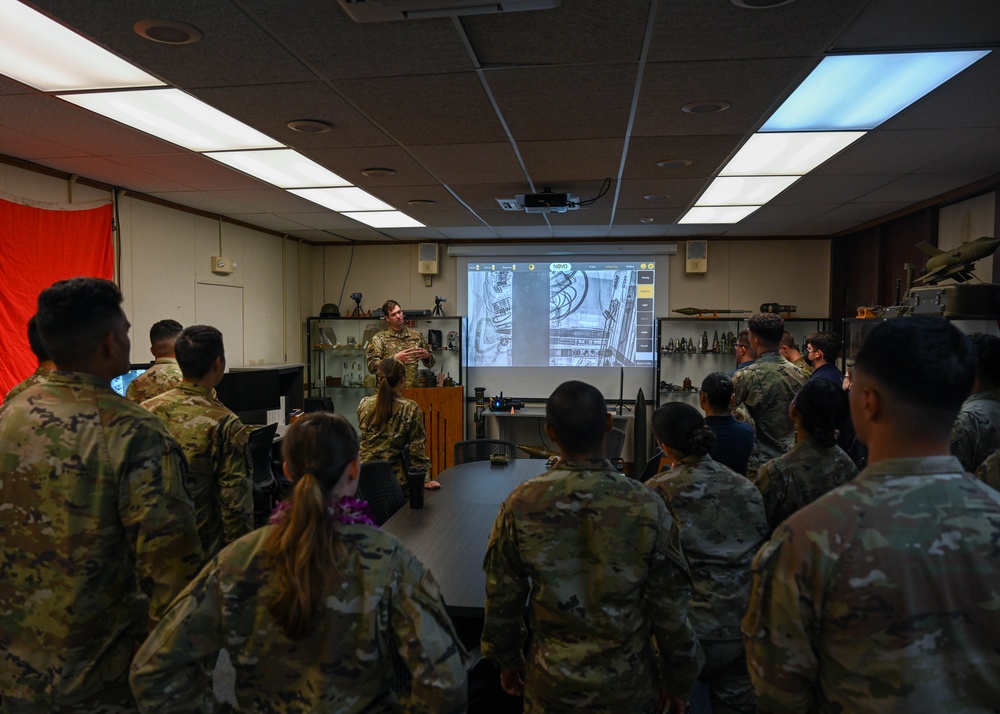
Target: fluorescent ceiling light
(787, 154)
(343, 199)
(174, 116)
(862, 91)
(46, 55)
(283, 168)
(385, 219)
(717, 214)
(744, 190)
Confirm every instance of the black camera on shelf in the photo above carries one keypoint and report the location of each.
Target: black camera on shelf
(504, 404)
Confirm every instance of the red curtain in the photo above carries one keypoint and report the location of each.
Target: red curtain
(39, 246)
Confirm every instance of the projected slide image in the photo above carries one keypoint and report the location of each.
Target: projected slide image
(592, 318)
(561, 315)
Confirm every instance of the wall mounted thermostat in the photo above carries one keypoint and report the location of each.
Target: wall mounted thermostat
(222, 265)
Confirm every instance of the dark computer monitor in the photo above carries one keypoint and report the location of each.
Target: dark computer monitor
(121, 382)
(250, 391)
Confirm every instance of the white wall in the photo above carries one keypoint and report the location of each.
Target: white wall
(165, 253)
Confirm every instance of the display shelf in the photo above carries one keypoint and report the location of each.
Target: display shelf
(674, 367)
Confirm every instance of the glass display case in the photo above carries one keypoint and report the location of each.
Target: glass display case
(337, 363)
(691, 348)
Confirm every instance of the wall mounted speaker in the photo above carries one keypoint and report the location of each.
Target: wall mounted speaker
(427, 259)
(697, 256)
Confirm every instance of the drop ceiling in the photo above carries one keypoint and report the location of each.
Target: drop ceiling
(469, 109)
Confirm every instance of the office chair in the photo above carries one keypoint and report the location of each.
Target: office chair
(614, 442)
(265, 485)
(378, 485)
(482, 449)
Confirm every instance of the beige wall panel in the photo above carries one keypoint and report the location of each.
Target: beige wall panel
(39, 187)
(293, 324)
(263, 297)
(221, 306)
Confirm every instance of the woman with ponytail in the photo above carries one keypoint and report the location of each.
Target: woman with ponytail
(815, 464)
(310, 607)
(722, 523)
(390, 422)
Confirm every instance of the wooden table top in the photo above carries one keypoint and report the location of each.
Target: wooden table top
(450, 533)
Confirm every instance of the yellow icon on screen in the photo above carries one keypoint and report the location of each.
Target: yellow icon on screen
(531, 266)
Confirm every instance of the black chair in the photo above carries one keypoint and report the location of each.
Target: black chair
(482, 450)
(378, 485)
(614, 442)
(265, 485)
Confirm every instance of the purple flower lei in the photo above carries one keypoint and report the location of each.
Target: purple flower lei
(345, 509)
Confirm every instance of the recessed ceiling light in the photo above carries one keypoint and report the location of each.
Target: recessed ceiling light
(377, 173)
(309, 126)
(760, 4)
(710, 107)
(167, 32)
(420, 202)
(656, 196)
(645, 220)
(673, 163)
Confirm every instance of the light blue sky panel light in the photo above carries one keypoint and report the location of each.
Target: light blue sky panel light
(853, 92)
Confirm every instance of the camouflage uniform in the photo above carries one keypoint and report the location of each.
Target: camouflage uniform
(380, 597)
(722, 522)
(405, 426)
(803, 366)
(799, 477)
(603, 561)
(767, 388)
(214, 441)
(881, 596)
(989, 470)
(95, 520)
(39, 375)
(388, 343)
(976, 432)
(165, 374)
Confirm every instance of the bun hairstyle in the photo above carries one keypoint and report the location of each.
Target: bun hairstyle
(822, 409)
(681, 427)
(718, 391)
(304, 546)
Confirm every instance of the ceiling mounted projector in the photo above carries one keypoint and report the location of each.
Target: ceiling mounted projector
(545, 202)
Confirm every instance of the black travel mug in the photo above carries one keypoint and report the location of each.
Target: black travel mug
(415, 484)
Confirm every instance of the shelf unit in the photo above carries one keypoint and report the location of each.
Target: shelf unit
(675, 367)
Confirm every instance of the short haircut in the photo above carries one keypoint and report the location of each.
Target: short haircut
(35, 341)
(718, 390)
(164, 331)
(923, 361)
(767, 327)
(577, 413)
(987, 349)
(787, 340)
(823, 408)
(388, 306)
(74, 316)
(197, 347)
(681, 427)
(826, 342)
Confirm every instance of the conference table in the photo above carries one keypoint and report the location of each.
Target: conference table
(450, 533)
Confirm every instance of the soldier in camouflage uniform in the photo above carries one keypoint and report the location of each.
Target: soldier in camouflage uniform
(989, 470)
(97, 534)
(722, 522)
(815, 464)
(976, 432)
(404, 344)
(766, 388)
(310, 607)
(165, 374)
(391, 422)
(602, 561)
(45, 365)
(790, 351)
(214, 440)
(881, 596)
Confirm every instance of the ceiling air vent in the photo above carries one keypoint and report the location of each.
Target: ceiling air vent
(391, 10)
